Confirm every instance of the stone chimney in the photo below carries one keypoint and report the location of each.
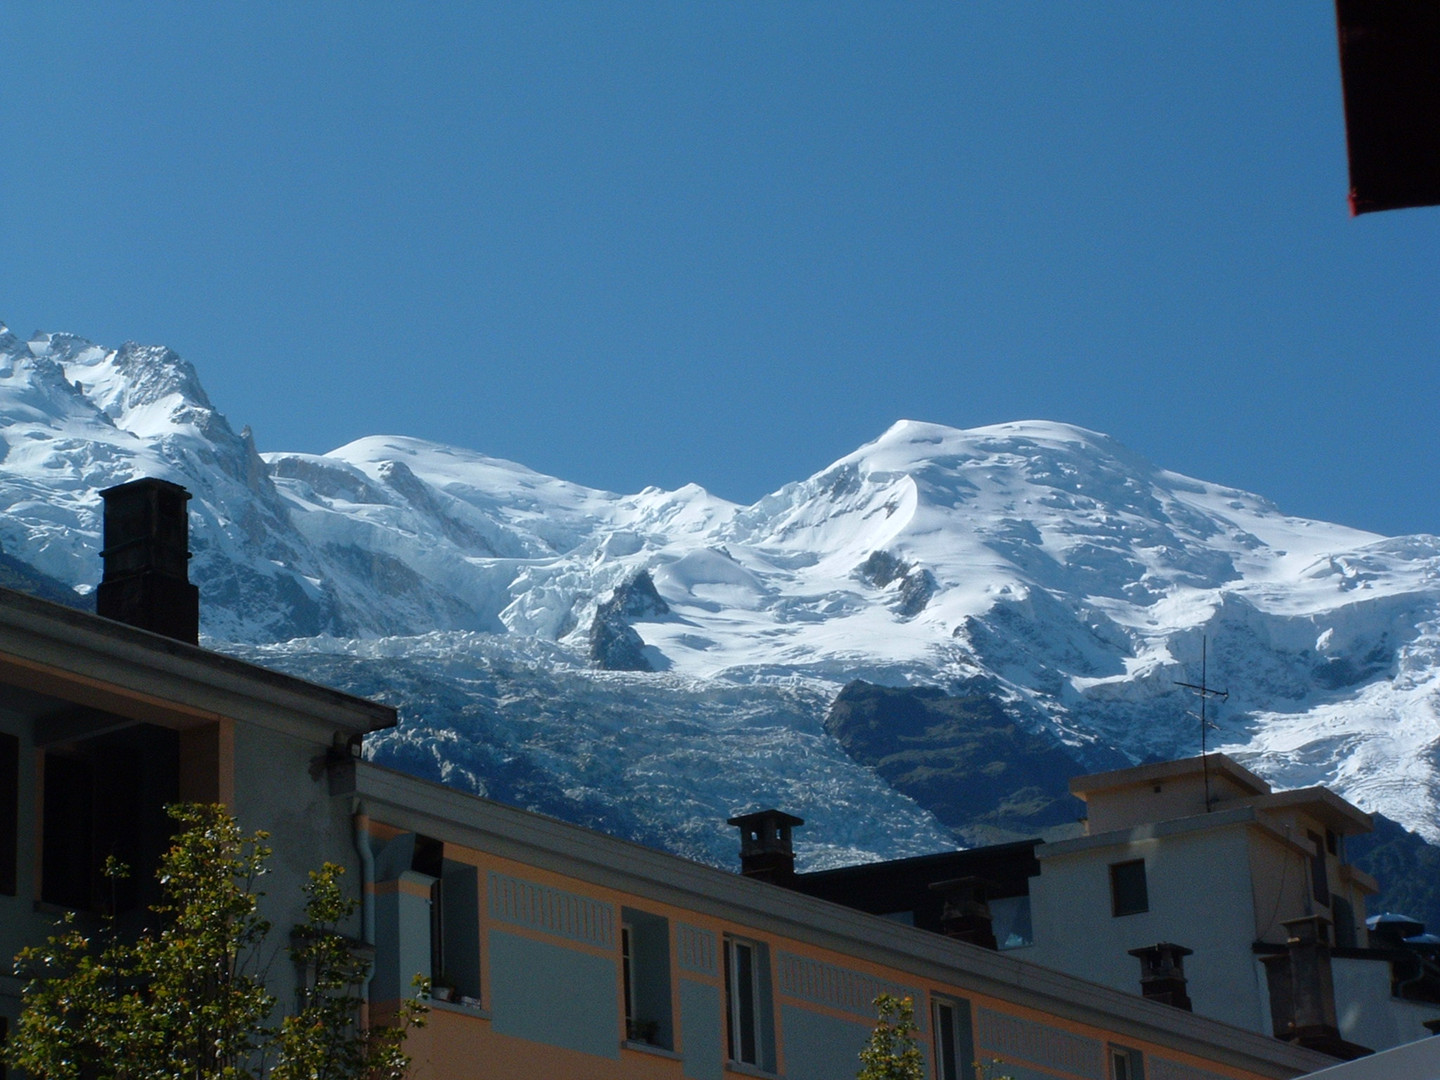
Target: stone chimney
(766, 851)
(965, 910)
(146, 552)
(1162, 973)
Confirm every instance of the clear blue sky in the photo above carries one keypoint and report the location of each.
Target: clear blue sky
(653, 243)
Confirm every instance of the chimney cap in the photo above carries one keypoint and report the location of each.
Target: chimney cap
(765, 817)
(144, 482)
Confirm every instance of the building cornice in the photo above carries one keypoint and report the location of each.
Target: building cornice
(99, 663)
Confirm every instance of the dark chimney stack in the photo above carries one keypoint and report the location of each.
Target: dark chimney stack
(965, 910)
(1162, 973)
(146, 553)
(1302, 990)
(766, 851)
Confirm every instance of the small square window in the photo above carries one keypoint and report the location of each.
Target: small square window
(1128, 892)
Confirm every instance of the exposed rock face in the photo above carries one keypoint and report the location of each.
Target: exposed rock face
(614, 644)
(22, 577)
(916, 589)
(881, 568)
(637, 599)
(963, 758)
(917, 585)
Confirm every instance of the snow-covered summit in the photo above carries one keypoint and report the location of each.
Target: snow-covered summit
(1042, 563)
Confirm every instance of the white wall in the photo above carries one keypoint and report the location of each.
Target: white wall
(1200, 897)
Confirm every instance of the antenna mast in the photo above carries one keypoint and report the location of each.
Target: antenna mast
(1204, 692)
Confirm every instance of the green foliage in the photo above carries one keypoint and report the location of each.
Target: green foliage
(187, 1001)
(321, 1041)
(891, 1053)
(988, 1072)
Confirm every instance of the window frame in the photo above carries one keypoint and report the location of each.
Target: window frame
(952, 1037)
(9, 814)
(1124, 1063)
(742, 991)
(1124, 900)
(627, 977)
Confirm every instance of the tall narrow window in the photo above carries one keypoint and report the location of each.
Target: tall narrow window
(627, 969)
(9, 813)
(747, 999)
(1129, 894)
(645, 968)
(66, 859)
(954, 1039)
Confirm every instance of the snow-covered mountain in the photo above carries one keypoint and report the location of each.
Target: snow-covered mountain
(1038, 563)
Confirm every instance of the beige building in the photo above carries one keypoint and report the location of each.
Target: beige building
(1252, 884)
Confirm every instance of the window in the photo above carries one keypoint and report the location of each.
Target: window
(1346, 935)
(9, 813)
(1128, 893)
(454, 921)
(748, 1022)
(1010, 920)
(954, 1042)
(1126, 1064)
(645, 967)
(104, 796)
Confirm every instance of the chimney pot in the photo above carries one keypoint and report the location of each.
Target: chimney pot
(1162, 973)
(965, 910)
(766, 851)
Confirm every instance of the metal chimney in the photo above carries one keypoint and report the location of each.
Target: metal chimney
(146, 553)
(1162, 973)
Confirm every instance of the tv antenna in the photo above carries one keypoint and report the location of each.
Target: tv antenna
(1204, 691)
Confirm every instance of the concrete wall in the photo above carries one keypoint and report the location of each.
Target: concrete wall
(1199, 896)
(554, 995)
(20, 925)
(820, 1047)
(1367, 1014)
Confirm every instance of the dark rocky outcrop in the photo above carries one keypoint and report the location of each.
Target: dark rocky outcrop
(881, 568)
(962, 758)
(637, 599)
(917, 585)
(916, 589)
(614, 644)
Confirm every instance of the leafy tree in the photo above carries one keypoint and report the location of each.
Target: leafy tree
(188, 1001)
(891, 1053)
(320, 1041)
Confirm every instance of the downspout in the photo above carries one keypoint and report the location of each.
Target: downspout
(367, 897)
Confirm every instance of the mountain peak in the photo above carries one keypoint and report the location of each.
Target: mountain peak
(1066, 576)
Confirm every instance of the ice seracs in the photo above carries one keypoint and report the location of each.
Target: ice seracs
(1065, 575)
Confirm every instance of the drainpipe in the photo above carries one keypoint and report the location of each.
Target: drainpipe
(367, 897)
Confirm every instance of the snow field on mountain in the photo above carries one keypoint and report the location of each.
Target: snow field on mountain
(1039, 563)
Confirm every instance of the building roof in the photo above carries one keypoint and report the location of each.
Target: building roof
(1220, 766)
(95, 662)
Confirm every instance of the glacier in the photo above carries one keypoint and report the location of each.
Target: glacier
(1041, 563)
